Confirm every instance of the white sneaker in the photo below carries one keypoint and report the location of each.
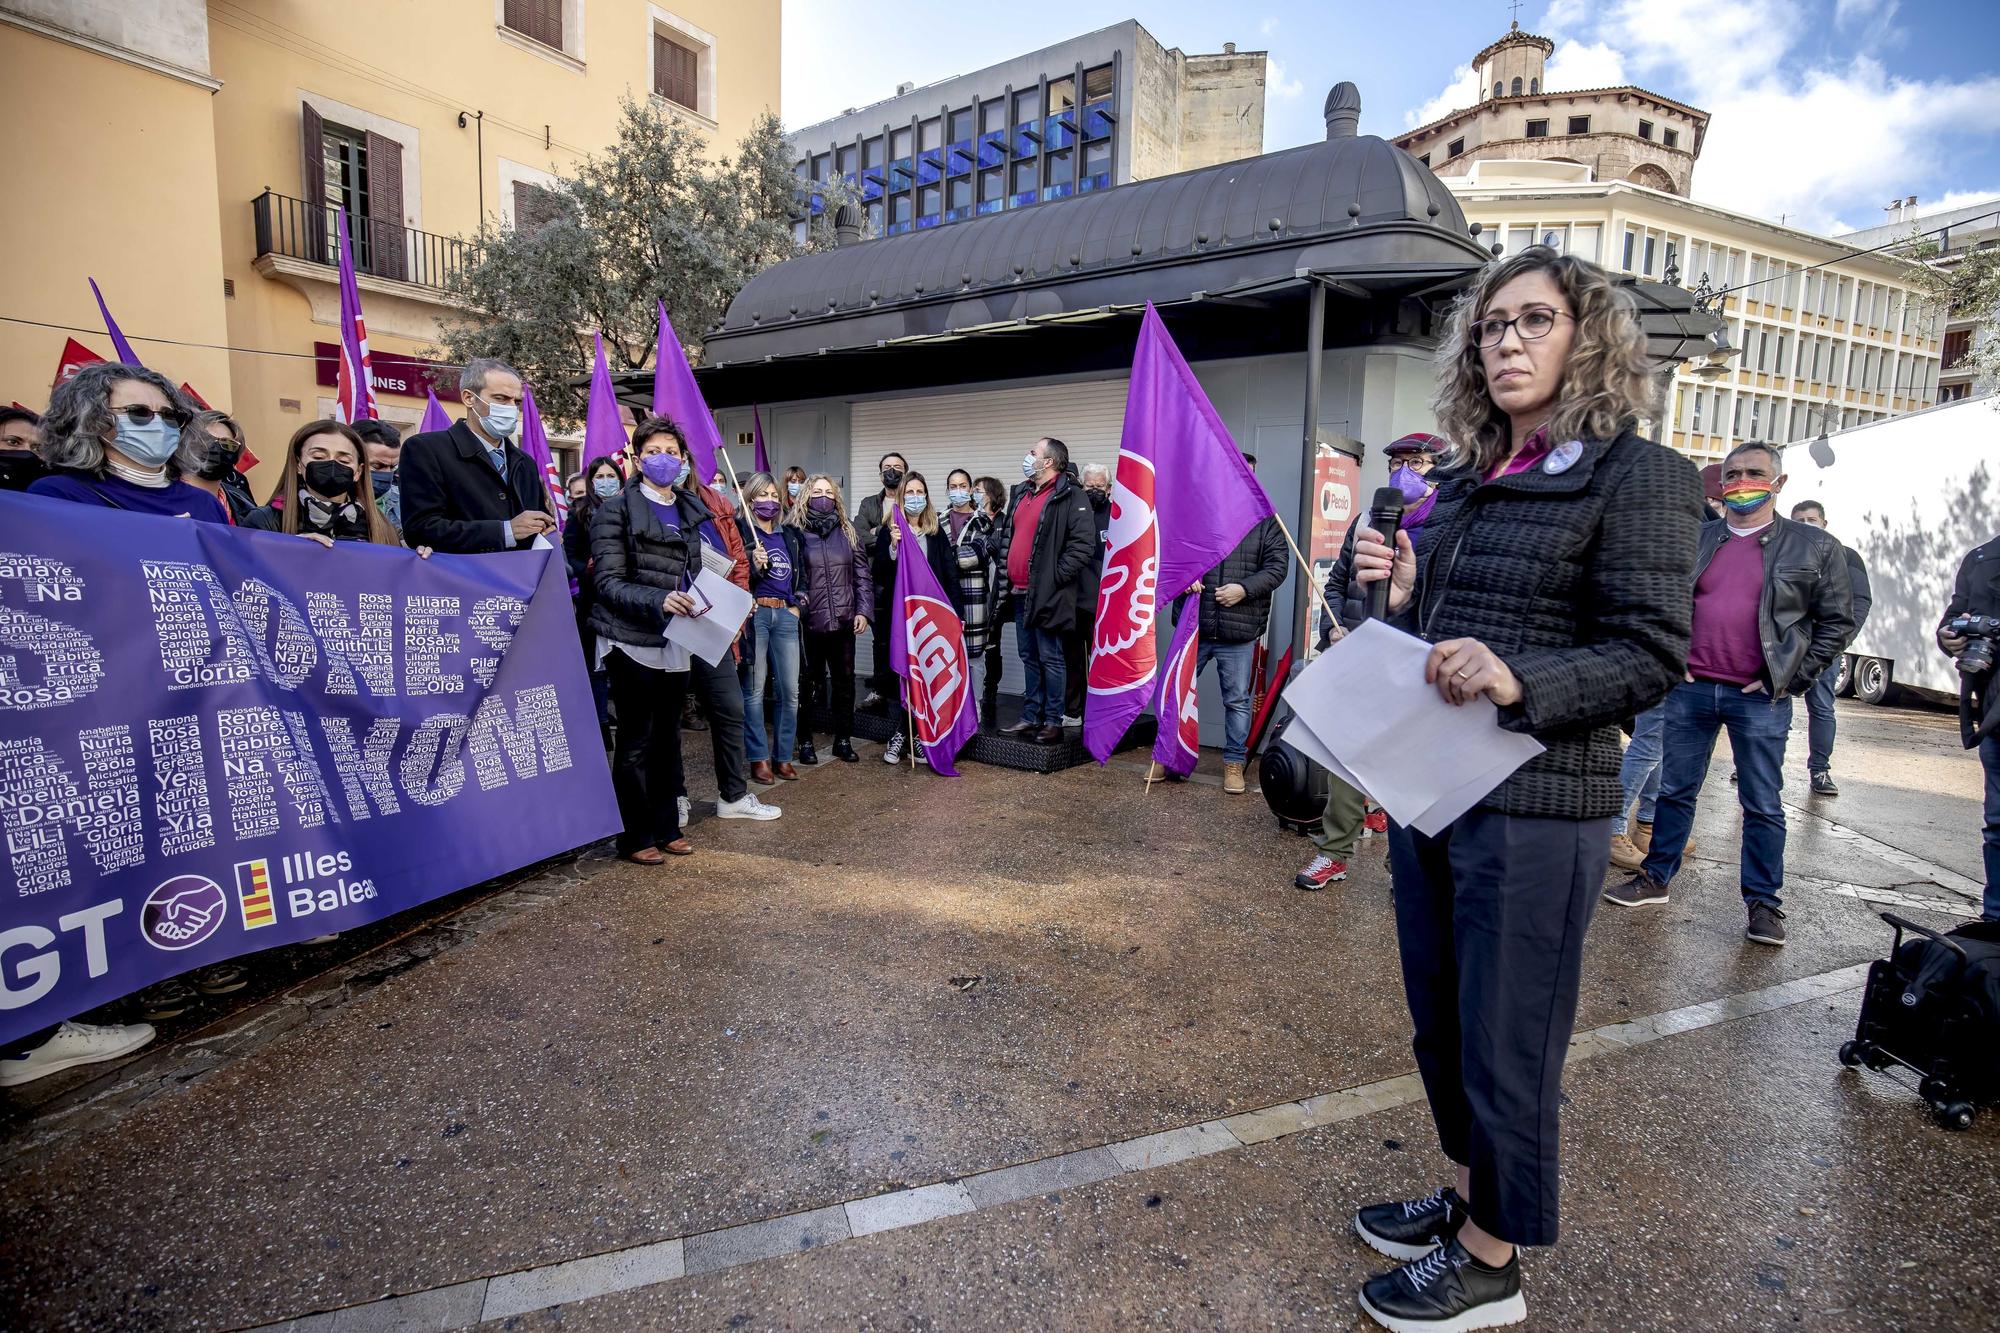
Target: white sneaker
(74, 1044)
(894, 753)
(1069, 721)
(746, 806)
(685, 809)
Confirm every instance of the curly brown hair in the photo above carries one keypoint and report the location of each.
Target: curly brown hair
(1607, 385)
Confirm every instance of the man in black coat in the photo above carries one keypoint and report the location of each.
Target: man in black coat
(1048, 540)
(1819, 699)
(1977, 593)
(1096, 481)
(868, 516)
(470, 489)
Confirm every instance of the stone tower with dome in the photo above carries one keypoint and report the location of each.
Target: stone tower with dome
(1623, 133)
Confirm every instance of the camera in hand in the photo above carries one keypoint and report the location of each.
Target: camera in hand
(1980, 634)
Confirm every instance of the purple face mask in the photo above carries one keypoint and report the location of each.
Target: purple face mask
(764, 509)
(1418, 497)
(820, 504)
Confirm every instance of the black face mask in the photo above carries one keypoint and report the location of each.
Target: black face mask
(1099, 499)
(221, 461)
(20, 469)
(891, 478)
(329, 477)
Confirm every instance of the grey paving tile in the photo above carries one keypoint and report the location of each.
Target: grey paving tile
(1175, 1145)
(579, 1279)
(903, 1208)
(1332, 1107)
(1270, 1123)
(761, 1240)
(419, 1312)
(1048, 1176)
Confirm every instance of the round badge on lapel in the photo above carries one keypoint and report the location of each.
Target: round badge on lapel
(1563, 457)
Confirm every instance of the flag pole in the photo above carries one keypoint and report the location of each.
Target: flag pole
(730, 468)
(1305, 566)
(911, 719)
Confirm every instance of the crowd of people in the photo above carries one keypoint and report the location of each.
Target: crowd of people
(1581, 578)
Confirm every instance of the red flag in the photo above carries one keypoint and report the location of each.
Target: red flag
(187, 392)
(927, 649)
(75, 356)
(1178, 706)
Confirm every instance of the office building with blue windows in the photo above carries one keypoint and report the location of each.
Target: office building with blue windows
(1096, 111)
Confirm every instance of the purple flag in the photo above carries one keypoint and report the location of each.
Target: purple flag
(1178, 707)
(535, 444)
(435, 417)
(1181, 498)
(676, 398)
(118, 343)
(354, 396)
(927, 649)
(603, 429)
(757, 433)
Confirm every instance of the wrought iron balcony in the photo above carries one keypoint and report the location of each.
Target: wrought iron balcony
(300, 229)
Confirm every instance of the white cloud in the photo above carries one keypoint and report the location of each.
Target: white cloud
(1561, 14)
(1584, 65)
(1267, 27)
(1278, 88)
(1463, 92)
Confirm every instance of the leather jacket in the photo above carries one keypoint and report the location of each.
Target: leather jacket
(1805, 615)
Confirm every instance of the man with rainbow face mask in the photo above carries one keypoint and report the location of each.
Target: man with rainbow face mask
(1772, 609)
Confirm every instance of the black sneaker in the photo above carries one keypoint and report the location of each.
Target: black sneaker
(1446, 1291)
(1642, 890)
(1767, 925)
(1824, 785)
(1412, 1228)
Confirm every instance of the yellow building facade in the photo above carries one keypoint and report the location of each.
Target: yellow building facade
(190, 156)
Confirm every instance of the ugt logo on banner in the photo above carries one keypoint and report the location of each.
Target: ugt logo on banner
(939, 684)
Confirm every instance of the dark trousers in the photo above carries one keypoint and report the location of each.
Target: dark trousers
(1819, 721)
(830, 678)
(721, 693)
(1989, 759)
(1076, 668)
(1758, 725)
(646, 767)
(1490, 917)
(1042, 662)
(881, 678)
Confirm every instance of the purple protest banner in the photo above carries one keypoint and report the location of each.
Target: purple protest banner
(215, 740)
(603, 428)
(763, 460)
(435, 417)
(927, 649)
(118, 343)
(535, 444)
(676, 397)
(1177, 747)
(354, 393)
(1181, 498)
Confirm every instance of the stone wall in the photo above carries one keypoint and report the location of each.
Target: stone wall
(1222, 108)
(1154, 120)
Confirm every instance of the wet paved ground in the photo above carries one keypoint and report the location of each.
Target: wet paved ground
(908, 982)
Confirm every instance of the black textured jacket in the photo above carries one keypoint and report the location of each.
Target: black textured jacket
(1579, 580)
(636, 560)
(1258, 563)
(1804, 615)
(1065, 543)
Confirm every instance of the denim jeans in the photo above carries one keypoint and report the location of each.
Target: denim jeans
(1819, 721)
(1042, 663)
(1232, 668)
(776, 631)
(1639, 775)
(1758, 727)
(1989, 759)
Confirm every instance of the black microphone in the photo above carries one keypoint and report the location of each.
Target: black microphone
(1385, 515)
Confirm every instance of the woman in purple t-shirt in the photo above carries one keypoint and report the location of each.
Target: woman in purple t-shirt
(777, 583)
(112, 438)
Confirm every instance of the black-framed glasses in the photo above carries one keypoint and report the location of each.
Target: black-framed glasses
(1530, 324)
(141, 415)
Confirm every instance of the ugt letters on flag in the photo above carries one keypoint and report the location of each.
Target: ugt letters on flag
(1181, 498)
(215, 740)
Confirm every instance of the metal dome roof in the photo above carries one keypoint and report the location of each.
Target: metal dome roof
(1352, 207)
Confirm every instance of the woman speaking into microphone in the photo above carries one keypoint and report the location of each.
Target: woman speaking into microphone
(1552, 576)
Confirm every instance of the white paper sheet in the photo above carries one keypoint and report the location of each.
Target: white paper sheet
(709, 634)
(541, 543)
(1362, 711)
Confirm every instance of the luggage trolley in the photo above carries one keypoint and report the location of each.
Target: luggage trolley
(1928, 1008)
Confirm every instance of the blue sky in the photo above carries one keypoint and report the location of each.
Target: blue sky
(1823, 110)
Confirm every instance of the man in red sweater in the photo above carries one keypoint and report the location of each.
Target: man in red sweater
(1771, 611)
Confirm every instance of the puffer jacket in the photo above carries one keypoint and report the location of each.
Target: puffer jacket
(1580, 580)
(1805, 614)
(1258, 563)
(1065, 543)
(837, 583)
(636, 560)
